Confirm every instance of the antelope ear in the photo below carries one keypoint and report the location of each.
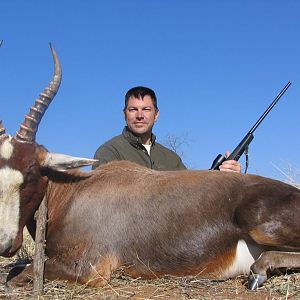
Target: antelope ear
(61, 162)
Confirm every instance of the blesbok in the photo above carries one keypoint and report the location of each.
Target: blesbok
(208, 224)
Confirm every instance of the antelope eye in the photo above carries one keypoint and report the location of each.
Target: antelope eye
(29, 179)
(31, 175)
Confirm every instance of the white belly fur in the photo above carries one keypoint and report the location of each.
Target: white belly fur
(245, 256)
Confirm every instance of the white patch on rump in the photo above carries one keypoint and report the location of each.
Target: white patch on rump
(245, 256)
(10, 181)
(6, 149)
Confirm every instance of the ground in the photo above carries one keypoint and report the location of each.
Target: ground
(285, 286)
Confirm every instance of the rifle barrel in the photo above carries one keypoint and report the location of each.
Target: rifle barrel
(270, 107)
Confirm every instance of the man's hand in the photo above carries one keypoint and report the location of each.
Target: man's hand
(230, 165)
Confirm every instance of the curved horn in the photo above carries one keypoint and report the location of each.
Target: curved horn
(2, 129)
(32, 120)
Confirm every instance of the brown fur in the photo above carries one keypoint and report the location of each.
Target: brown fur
(154, 223)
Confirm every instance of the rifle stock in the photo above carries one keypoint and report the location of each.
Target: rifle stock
(240, 149)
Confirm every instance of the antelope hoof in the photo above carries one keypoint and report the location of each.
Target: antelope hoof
(18, 276)
(255, 281)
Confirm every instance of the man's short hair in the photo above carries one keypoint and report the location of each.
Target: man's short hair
(140, 92)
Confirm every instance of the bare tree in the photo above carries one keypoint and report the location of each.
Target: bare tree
(177, 143)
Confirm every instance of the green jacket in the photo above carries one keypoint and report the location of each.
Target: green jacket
(127, 146)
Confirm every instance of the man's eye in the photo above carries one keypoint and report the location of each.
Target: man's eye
(147, 109)
(132, 109)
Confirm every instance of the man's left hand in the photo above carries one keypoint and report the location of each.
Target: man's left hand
(230, 165)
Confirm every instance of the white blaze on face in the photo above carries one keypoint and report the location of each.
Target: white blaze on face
(10, 181)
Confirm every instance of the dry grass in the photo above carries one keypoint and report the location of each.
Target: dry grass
(27, 250)
(285, 286)
(281, 287)
(122, 287)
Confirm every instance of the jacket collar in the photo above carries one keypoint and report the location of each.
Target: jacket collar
(134, 139)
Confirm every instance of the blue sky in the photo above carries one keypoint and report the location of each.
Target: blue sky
(215, 66)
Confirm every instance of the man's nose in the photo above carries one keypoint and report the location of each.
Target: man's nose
(140, 114)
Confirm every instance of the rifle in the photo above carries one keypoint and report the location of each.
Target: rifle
(243, 145)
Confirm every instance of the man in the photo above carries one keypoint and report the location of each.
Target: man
(137, 142)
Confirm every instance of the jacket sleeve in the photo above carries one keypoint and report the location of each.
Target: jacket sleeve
(105, 154)
(180, 165)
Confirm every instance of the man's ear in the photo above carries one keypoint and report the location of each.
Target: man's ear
(124, 112)
(156, 115)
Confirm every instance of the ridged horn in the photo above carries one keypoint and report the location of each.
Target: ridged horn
(2, 129)
(29, 127)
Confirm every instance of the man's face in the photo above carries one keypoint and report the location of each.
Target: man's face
(140, 115)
